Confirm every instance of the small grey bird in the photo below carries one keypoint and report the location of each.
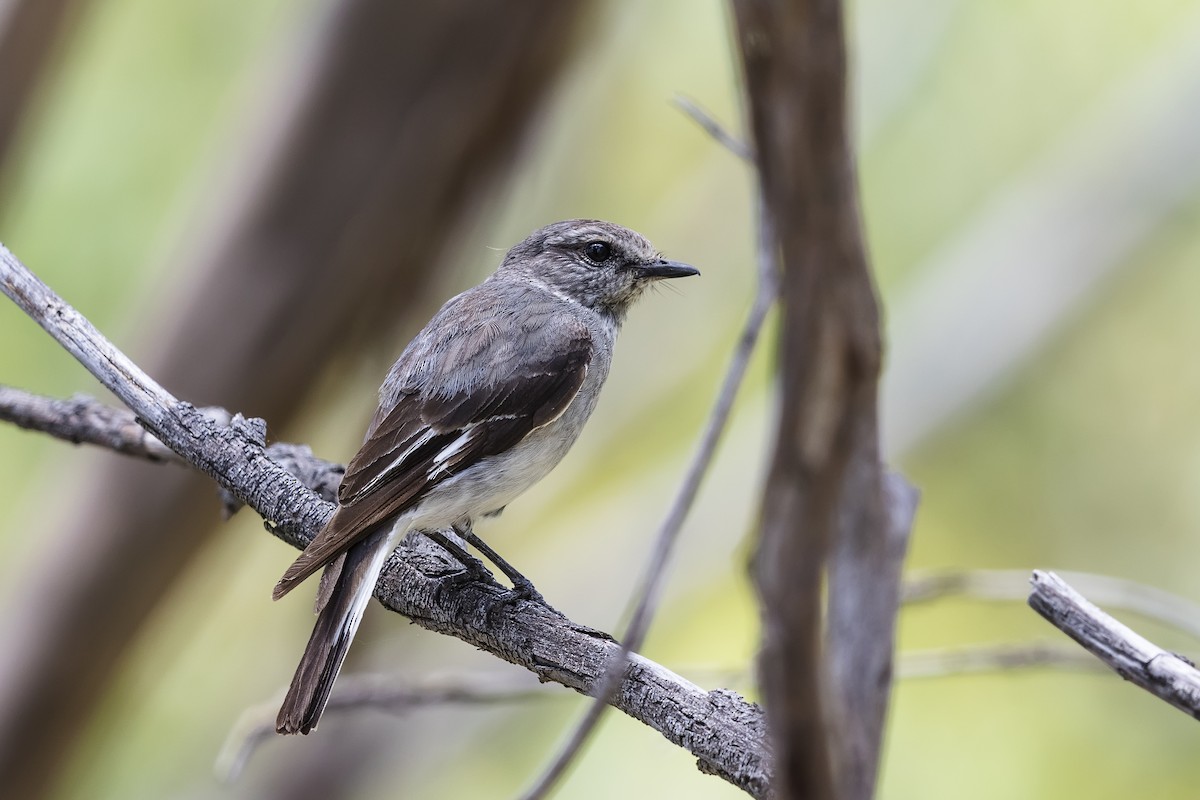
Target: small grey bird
(481, 405)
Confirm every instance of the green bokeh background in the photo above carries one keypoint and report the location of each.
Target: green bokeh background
(1084, 456)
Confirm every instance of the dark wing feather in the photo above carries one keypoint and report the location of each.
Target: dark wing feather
(397, 463)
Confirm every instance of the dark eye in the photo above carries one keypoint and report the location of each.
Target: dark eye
(598, 251)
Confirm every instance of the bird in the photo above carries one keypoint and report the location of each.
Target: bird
(479, 406)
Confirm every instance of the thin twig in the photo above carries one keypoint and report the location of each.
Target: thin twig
(647, 596)
(724, 732)
(1005, 585)
(981, 658)
(713, 128)
(1168, 676)
(385, 693)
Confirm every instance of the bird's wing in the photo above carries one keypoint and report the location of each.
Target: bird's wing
(495, 382)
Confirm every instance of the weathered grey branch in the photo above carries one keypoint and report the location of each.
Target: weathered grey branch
(82, 420)
(1168, 676)
(85, 420)
(233, 455)
(724, 732)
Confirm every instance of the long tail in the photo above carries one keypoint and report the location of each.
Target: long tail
(331, 636)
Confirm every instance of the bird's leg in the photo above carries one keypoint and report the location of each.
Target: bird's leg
(523, 588)
(475, 570)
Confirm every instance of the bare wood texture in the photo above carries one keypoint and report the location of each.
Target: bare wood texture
(724, 732)
(224, 453)
(82, 420)
(30, 31)
(824, 489)
(864, 587)
(1164, 674)
(384, 130)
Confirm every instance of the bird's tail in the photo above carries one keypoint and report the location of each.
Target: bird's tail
(336, 624)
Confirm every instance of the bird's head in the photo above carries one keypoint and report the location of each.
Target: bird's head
(598, 264)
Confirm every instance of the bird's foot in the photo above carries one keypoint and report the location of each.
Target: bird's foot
(523, 589)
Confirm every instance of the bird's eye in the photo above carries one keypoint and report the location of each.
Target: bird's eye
(598, 251)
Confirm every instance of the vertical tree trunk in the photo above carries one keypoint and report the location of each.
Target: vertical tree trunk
(824, 492)
(30, 32)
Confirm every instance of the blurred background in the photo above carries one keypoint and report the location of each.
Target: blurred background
(261, 201)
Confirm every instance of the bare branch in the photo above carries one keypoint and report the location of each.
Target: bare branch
(231, 454)
(647, 595)
(85, 420)
(726, 733)
(82, 420)
(1168, 676)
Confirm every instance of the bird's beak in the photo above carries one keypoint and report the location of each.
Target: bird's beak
(666, 269)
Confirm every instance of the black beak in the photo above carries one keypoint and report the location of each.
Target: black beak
(665, 269)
